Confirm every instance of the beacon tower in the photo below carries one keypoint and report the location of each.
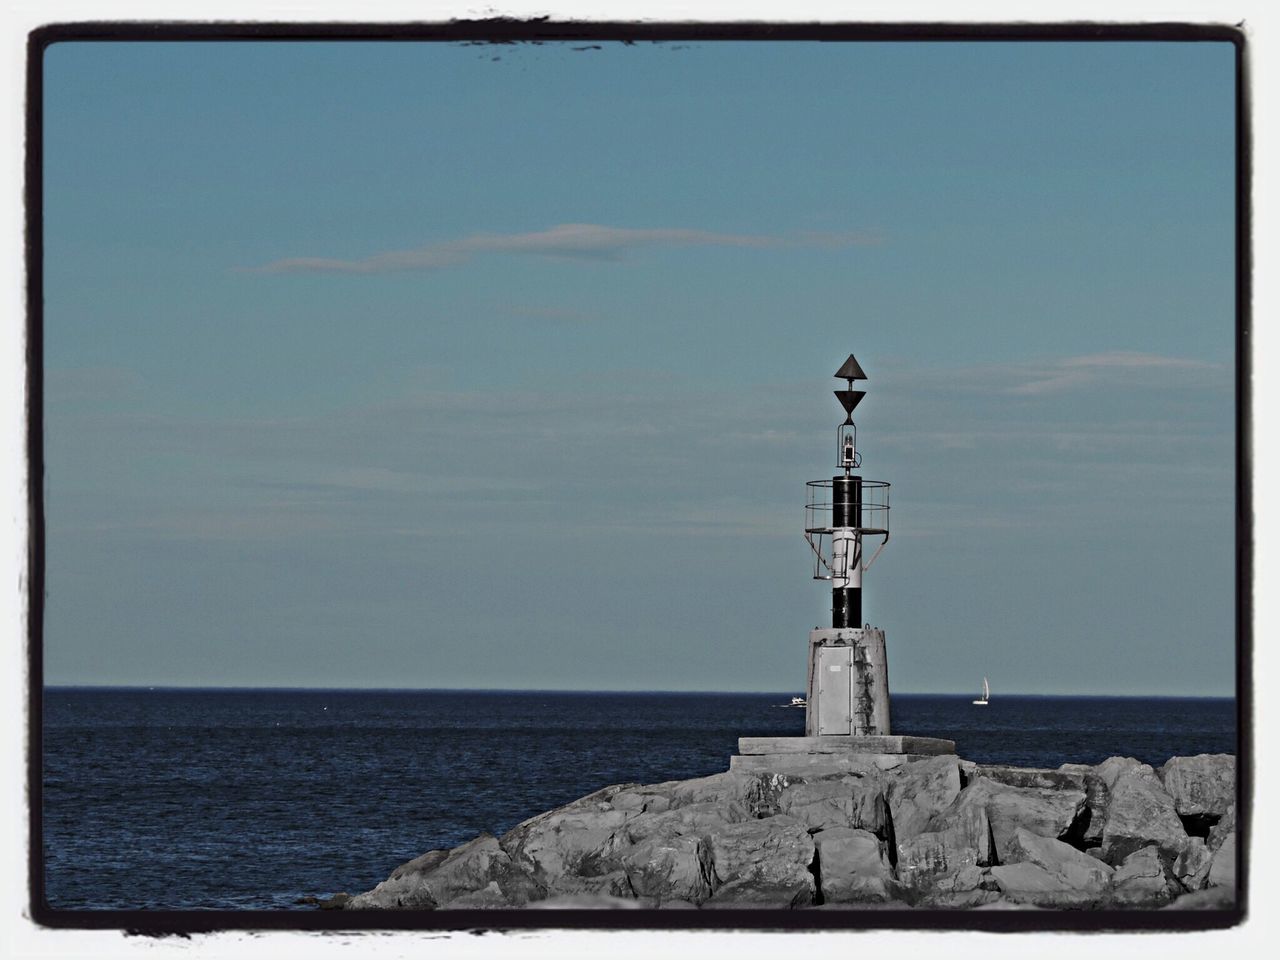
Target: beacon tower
(847, 696)
(848, 678)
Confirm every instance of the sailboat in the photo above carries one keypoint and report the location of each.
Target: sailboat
(986, 695)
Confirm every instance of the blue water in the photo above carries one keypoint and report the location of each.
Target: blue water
(203, 799)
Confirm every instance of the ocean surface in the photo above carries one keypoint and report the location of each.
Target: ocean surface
(251, 799)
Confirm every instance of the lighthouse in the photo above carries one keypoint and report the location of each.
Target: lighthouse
(847, 694)
(848, 676)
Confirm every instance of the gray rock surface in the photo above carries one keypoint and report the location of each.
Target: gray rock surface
(678, 868)
(853, 866)
(1191, 867)
(1046, 812)
(1203, 785)
(1139, 811)
(848, 801)
(1222, 871)
(763, 861)
(919, 791)
(937, 832)
(1075, 869)
(1143, 879)
(957, 839)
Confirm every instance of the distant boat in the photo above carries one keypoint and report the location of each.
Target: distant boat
(795, 702)
(986, 695)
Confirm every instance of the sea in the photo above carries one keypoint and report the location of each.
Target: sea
(184, 799)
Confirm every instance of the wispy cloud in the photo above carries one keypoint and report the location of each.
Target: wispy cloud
(574, 241)
(1071, 373)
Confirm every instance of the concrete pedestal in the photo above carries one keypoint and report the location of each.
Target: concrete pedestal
(833, 753)
(848, 685)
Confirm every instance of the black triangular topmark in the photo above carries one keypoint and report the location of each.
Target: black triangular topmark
(851, 370)
(849, 398)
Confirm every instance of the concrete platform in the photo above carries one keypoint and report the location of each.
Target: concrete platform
(833, 754)
(925, 746)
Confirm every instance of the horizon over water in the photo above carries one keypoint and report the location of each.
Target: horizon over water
(268, 688)
(249, 798)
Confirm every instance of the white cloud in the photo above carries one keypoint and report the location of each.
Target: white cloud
(577, 241)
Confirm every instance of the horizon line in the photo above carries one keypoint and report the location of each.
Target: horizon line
(544, 690)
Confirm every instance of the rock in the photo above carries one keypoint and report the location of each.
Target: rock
(439, 877)
(1028, 882)
(670, 869)
(1032, 778)
(1222, 829)
(1222, 871)
(1191, 867)
(852, 866)
(696, 819)
(586, 902)
(850, 801)
(919, 791)
(1076, 870)
(866, 834)
(488, 897)
(763, 861)
(1113, 768)
(1142, 879)
(967, 888)
(959, 839)
(1211, 898)
(1140, 812)
(577, 839)
(1201, 786)
(1044, 812)
(614, 883)
(1089, 826)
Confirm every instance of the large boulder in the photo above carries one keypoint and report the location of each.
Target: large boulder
(1043, 811)
(1067, 777)
(763, 861)
(919, 791)
(1222, 870)
(435, 880)
(956, 840)
(1048, 872)
(1140, 812)
(853, 866)
(1224, 828)
(1201, 786)
(849, 801)
(696, 819)
(966, 888)
(578, 839)
(1143, 879)
(678, 868)
(1030, 883)
(1191, 867)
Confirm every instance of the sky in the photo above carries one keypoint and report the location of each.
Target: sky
(423, 365)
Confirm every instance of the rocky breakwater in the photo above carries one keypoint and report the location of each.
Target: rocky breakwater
(886, 831)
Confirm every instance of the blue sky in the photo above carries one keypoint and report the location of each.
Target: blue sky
(433, 365)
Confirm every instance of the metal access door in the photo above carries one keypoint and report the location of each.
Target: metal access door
(835, 699)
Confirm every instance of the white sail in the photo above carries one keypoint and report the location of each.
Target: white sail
(986, 694)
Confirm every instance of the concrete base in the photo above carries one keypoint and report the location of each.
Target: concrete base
(848, 687)
(836, 754)
(929, 746)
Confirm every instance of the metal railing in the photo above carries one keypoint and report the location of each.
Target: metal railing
(817, 521)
